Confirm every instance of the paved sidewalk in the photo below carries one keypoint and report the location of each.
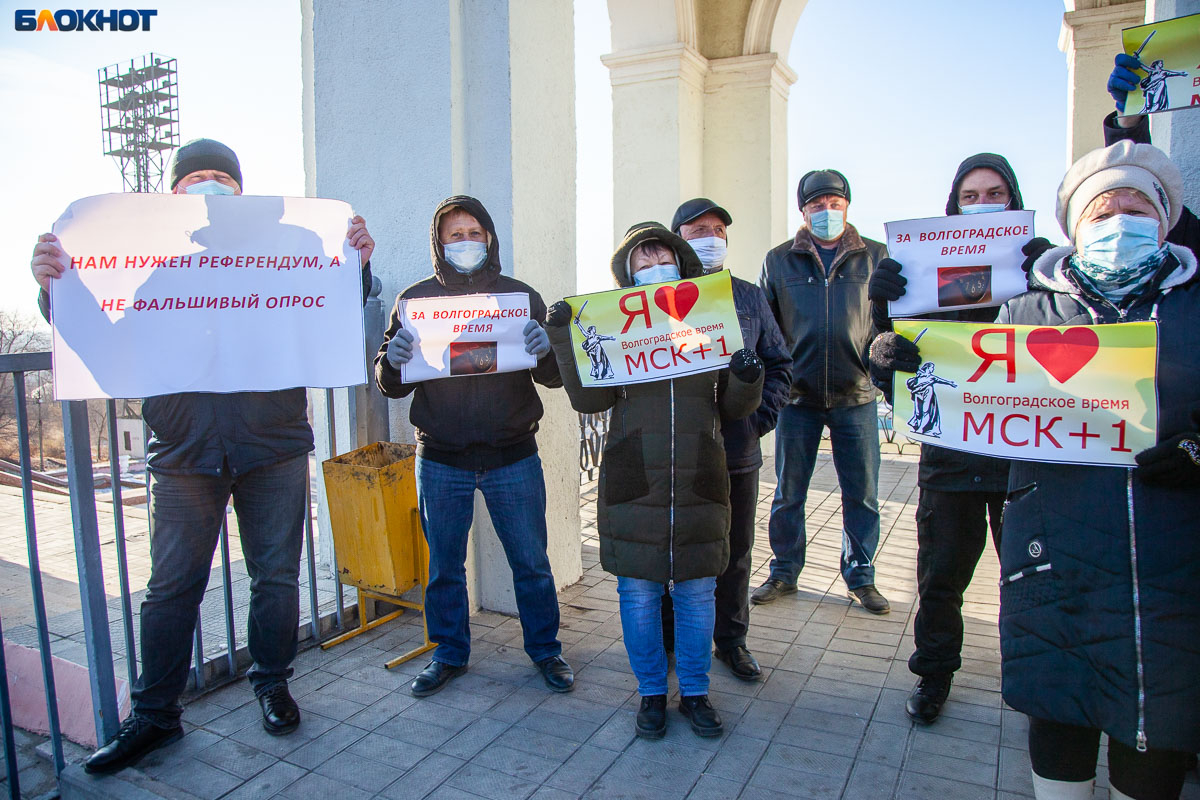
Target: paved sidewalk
(828, 721)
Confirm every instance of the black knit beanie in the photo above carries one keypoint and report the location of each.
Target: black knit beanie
(201, 154)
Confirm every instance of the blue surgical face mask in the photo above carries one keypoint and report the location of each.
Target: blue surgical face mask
(466, 257)
(659, 273)
(208, 187)
(711, 252)
(1112, 248)
(983, 208)
(827, 225)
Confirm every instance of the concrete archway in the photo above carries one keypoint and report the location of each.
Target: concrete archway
(700, 90)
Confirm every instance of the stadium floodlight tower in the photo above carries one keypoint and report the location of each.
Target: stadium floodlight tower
(139, 118)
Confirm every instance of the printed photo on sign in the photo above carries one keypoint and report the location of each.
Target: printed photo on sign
(165, 293)
(1168, 56)
(471, 334)
(1080, 395)
(960, 261)
(649, 333)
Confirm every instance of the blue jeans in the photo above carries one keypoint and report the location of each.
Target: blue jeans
(516, 500)
(855, 441)
(641, 627)
(187, 511)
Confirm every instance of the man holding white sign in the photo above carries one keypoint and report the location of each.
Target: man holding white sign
(207, 447)
(960, 493)
(466, 343)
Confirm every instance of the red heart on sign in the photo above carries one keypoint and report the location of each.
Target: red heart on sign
(677, 301)
(1062, 352)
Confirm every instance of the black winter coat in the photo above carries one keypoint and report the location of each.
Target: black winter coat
(826, 320)
(662, 509)
(473, 422)
(1096, 623)
(1187, 231)
(760, 333)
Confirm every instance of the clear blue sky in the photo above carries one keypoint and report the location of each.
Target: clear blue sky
(893, 98)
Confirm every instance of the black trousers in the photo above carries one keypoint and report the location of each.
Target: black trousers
(1068, 753)
(951, 533)
(733, 585)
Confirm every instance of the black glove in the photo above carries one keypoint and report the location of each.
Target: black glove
(892, 352)
(886, 282)
(1033, 250)
(1174, 463)
(559, 314)
(746, 365)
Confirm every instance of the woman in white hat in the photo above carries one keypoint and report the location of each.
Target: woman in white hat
(1097, 632)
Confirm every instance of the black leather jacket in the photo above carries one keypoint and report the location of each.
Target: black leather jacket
(826, 321)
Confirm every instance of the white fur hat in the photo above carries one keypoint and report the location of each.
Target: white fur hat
(1124, 165)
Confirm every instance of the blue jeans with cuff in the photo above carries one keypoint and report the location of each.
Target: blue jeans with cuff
(516, 500)
(854, 437)
(641, 627)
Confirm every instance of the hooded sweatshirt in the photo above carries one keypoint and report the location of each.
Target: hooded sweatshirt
(473, 422)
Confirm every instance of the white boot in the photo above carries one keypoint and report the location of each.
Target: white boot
(1046, 789)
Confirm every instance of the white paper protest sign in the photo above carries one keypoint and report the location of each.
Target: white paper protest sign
(961, 261)
(470, 334)
(167, 293)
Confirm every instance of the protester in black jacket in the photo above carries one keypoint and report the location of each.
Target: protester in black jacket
(1097, 630)
(816, 286)
(703, 224)
(477, 432)
(962, 494)
(205, 448)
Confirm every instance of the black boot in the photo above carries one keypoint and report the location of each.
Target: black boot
(136, 737)
(705, 719)
(928, 696)
(652, 717)
(280, 713)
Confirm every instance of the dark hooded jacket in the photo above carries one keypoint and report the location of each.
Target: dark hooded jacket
(1096, 625)
(473, 422)
(1187, 231)
(941, 468)
(662, 508)
(825, 319)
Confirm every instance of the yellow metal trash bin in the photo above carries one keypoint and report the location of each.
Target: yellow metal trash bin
(381, 550)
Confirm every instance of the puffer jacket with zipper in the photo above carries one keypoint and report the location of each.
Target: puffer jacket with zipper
(1096, 623)
(825, 319)
(663, 501)
(474, 422)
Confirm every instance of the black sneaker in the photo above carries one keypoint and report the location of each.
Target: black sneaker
(136, 737)
(704, 718)
(928, 696)
(652, 717)
(771, 590)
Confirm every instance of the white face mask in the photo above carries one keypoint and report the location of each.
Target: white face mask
(659, 273)
(208, 187)
(711, 252)
(1118, 247)
(983, 208)
(466, 257)
(827, 225)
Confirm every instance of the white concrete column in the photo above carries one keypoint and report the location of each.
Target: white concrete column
(1091, 37)
(467, 96)
(658, 131)
(745, 153)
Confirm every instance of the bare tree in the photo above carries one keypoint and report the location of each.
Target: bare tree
(19, 333)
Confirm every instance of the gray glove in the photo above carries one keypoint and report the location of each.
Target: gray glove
(400, 349)
(537, 343)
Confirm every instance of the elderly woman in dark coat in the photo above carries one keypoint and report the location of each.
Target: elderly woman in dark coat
(663, 499)
(1097, 630)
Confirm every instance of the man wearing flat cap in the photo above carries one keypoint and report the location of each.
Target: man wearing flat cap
(205, 448)
(704, 225)
(816, 285)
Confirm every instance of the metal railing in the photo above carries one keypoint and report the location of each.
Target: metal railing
(367, 420)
